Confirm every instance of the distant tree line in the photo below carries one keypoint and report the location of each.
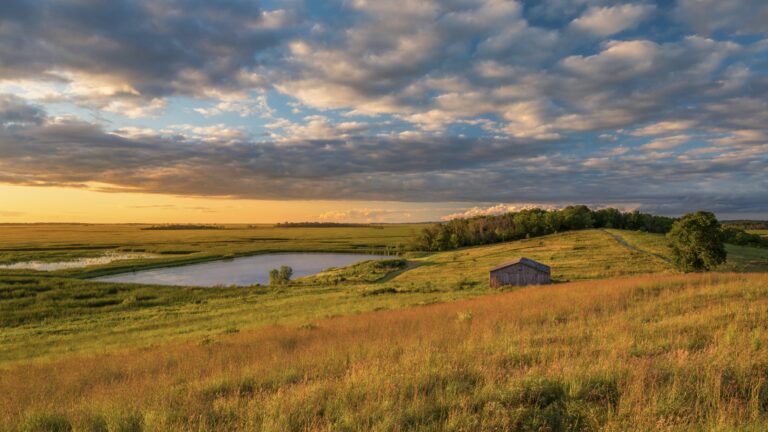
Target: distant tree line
(738, 236)
(536, 222)
(173, 227)
(325, 225)
(747, 224)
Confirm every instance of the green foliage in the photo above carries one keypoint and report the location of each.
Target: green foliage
(747, 224)
(696, 241)
(738, 236)
(280, 276)
(285, 273)
(532, 223)
(274, 277)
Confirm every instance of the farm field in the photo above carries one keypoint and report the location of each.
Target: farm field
(667, 352)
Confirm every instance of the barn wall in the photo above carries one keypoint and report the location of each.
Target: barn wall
(518, 274)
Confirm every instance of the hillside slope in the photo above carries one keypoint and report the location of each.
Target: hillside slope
(740, 258)
(675, 352)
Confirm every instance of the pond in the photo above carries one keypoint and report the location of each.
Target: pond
(240, 271)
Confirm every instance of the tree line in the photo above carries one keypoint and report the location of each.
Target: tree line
(480, 230)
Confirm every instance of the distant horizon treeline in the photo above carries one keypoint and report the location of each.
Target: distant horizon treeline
(480, 230)
(325, 225)
(747, 224)
(179, 227)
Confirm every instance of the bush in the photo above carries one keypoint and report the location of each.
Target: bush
(280, 276)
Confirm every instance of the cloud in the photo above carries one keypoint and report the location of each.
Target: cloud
(8, 213)
(496, 209)
(68, 152)
(14, 111)
(364, 215)
(115, 54)
(666, 143)
(605, 21)
(664, 127)
(710, 16)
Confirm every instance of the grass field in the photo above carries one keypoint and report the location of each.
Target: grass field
(676, 352)
(48, 315)
(740, 258)
(423, 344)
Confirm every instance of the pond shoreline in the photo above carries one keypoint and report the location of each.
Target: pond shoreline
(235, 270)
(177, 261)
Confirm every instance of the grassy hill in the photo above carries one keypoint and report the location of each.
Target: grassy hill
(669, 352)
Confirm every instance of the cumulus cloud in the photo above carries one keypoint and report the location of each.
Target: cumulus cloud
(364, 214)
(605, 21)
(496, 209)
(138, 52)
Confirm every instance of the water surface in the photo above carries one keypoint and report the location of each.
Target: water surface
(240, 271)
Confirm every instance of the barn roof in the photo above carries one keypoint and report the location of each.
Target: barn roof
(525, 261)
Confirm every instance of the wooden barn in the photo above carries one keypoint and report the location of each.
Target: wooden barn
(521, 271)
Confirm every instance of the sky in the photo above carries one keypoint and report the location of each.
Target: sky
(379, 111)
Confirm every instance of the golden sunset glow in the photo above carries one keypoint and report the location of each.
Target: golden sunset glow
(59, 204)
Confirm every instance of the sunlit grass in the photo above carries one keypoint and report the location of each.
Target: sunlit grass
(740, 258)
(675, 352)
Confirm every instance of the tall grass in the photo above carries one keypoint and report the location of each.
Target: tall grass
(680, 352)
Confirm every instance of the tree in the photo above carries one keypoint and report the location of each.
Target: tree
(696, 240)
(285, 274)
(274, 277)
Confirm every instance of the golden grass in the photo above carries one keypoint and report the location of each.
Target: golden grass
(674, 352)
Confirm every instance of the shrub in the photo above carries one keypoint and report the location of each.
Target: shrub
(280, 276)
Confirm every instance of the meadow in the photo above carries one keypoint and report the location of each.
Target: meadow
(674, 352)
(49, 314)
(414, 343)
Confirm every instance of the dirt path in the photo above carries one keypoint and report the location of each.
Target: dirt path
(620, 240)
(409, 265)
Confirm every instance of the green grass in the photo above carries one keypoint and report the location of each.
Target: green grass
(49, 315)
(672, 353)
(740, 258)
